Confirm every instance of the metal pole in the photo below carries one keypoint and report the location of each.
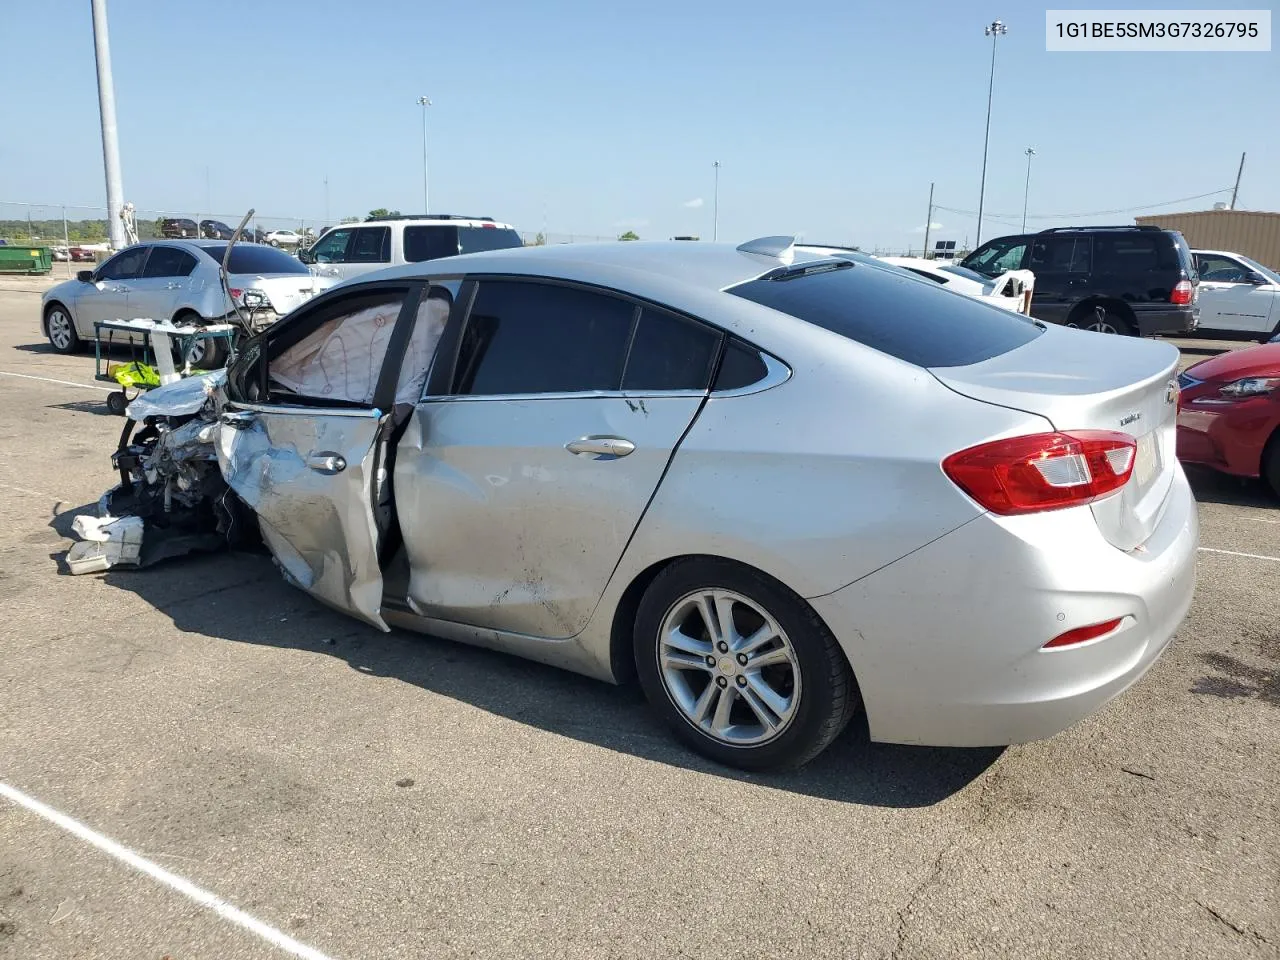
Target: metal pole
(1030, 152)
(1236, 189)
(107, 111)
(426, 204)
(928, 222)
(65, 236)
(31, 231)
(715, 204)
(326, 200)
(993, 30)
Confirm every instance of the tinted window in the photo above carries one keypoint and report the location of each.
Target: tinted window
(371, 245)
(1063, 254)
(429, 243)
(125, 265)
(539, 338)
(898, 315)
(255, 258)
(476, 239)
(997, 257)
(331, 248)
(169, 262)
(669, 353)
(1126, 252)
(741, 367)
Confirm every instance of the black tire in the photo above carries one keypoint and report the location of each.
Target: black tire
(1271, 463)
(60, 328)
(207, 354)
(117, 402)
(827, 693)
(1101, 319)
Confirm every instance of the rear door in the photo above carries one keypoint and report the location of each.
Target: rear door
(542, 439)
(1061, 264)
(305, 448)
(164, 281)
(1230, 298)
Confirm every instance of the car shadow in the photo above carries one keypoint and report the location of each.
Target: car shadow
(1210, 486)
(192, 592)
(86, 406)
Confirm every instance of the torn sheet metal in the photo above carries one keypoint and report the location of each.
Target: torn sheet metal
(183, 398)
(307, 473)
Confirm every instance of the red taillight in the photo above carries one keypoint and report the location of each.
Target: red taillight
(1081, 634)
(1182, 293)
(235, 294)
(1043, 471)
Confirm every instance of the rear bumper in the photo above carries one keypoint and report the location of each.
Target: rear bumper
(1155, 319)
(946, 642)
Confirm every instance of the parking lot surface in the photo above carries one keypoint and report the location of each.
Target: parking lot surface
(281, 780)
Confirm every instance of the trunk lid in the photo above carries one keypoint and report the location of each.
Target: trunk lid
(1079, 380)
(286, 291)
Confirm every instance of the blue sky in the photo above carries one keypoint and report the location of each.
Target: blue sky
(589, 118)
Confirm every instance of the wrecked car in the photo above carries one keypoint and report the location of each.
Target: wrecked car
(776, 485)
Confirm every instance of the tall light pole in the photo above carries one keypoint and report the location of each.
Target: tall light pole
(715, 204)
(107, 111)
(994, 30)
(1030, 152)
(426, 204)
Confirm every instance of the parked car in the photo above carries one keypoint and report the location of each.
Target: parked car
(1239, 297)
(216, 230)
(173, 280)
(1229, 416)
(284, 238)
(1127, 280)
(1012, 290)
(348, 251)
(80, 254)
(774, 484)
(178, 228)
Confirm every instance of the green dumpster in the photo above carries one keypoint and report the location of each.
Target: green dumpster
(25, 259)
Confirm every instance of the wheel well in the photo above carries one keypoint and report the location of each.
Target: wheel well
(622, 659)
(1118, 307)
(187, 312)
(1272, 443)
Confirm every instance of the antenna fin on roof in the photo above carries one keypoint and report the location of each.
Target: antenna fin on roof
(780, 248)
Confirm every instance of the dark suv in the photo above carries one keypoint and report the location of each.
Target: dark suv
(177, 227)
(1130, 280)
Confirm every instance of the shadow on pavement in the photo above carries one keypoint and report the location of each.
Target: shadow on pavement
(193, 591)
(1209, 486)
(87, 406)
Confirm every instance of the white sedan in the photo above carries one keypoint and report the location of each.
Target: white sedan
(284, 238)
(1238, 296)
(1011, 290)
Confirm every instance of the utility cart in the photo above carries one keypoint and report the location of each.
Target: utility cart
(160, 353)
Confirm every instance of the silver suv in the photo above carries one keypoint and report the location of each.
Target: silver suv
(352, 249)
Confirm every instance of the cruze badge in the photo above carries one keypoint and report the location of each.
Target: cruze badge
(1130, 419)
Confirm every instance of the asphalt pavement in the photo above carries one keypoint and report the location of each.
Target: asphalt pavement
(197, 761)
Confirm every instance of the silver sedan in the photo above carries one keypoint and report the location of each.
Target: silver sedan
(776, 486)
(174, 280)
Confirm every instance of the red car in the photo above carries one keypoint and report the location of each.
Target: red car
(1229, 413)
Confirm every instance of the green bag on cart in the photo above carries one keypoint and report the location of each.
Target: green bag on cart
(136, 374)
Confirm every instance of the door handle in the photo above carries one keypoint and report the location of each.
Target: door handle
(601, 448)
(173, 286)
(239, 419)
(327, 463)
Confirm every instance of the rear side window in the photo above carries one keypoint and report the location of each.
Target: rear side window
(916, 322)
(429, 243)
(370, 245)
(256, 258)
(1126, 252)
(741, 367)
(524, 338)
(169, 262)
(669, 353)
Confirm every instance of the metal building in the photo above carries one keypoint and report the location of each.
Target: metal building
(1251, 232)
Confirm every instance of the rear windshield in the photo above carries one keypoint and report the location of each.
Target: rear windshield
(902, 316)
(432, 242)
(256, 258)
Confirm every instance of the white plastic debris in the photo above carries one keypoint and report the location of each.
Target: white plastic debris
(106, 542)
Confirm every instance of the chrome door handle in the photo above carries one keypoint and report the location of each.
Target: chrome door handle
(602, 448)
(327, 463)
(239, 419)
(173, 286)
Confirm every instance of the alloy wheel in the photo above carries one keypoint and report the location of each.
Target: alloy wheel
(61, 332)
(728, 667)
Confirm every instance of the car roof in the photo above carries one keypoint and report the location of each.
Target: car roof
(429, 222)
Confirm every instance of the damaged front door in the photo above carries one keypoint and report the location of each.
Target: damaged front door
(310, 461)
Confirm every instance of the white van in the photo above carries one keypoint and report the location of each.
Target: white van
(352, 249)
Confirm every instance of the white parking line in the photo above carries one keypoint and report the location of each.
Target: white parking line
(171, 880)
(65, 383)
(1262, 520)
(1236, 553)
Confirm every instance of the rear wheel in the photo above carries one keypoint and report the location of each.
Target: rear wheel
(1271, 463)
(1099, 319)
(741, 668)
(206, 354)
(61, 329)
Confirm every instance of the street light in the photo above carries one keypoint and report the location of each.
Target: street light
(1030, 152)
(994, 30)
(715, 204)
(424, 103)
